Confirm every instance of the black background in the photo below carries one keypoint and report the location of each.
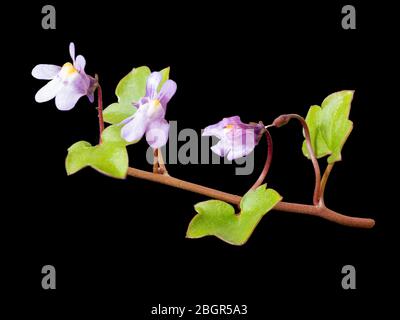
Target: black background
(119, 247)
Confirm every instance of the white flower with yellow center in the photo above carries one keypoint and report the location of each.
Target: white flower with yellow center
(68, 83)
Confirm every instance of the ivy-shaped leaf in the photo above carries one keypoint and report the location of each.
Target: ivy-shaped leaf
(130, 89)
(110, 157)
(218, 218)
(329, 125)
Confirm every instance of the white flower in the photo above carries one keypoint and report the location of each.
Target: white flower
(68, 83)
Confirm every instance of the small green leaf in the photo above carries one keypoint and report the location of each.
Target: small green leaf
(112, 134)
(117, 112)
(317, 140)
(133, 86)
(110, 157)
(164, 77)
(130, 89)
(329, 125)
(218, 218)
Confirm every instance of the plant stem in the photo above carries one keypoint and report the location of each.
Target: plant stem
(284, 119)
(161, 163)
(324, 181)
(100, 110)
(321, 212)
(158, 163)
(155, 161)
(268, 161)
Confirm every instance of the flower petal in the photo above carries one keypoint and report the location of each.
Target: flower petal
(81, 83)
(141, 101)
(125, 121)
(157, 133)
(72, 51)
(217, 129)
(236, 144)
(167, 91)
(80, 63)
(135, 129)
(221, 148)
(92, 88)
(91, 97)
(214, 130)
(67, 97)
(45, 71)
(233, 120)
(152, 83)
(49, 91)
(242, 144)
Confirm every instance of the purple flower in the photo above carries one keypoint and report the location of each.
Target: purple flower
(237, 139)
(68, 83)
(149, 118)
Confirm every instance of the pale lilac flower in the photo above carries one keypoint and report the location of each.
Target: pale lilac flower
(237, 139)
(68, 83)
(149, 118)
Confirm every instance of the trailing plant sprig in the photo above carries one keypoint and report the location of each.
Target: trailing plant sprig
(140, 110)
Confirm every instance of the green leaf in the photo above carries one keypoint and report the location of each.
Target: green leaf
(330, 126)
(317, 140)
(218, 218)
(110, 157)
(164, 77)
(112, 135)
(130, 89)
(117, 112)
(133, 86)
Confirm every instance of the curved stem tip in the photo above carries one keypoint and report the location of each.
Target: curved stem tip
(268, 161)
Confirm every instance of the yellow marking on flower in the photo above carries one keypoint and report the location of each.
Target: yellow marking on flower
(156, 103)
(68, 69)
(153, 106)
(228, 127)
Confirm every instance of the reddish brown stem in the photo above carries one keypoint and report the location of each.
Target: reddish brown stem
(161, 163)
(321, 212)
(324, 181)
(158, 162)
(268, 161)
(284, 119)
(155, 161)
(100, 110)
